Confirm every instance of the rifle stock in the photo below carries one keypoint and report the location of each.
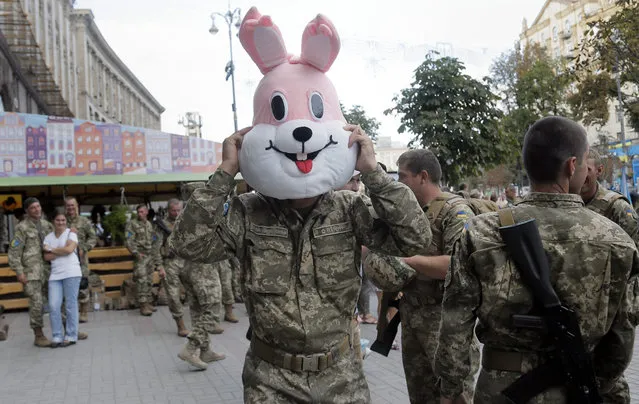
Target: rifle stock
(386, 331)
(525, 248)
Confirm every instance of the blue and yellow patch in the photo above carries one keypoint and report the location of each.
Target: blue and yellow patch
(15, 243)
(154, 238)
(226, 208)
(129, 234)
(630, 212)
(462, 214)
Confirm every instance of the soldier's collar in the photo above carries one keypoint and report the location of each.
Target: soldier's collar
(553, 199)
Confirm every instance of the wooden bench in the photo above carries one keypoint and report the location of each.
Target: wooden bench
(113, 264)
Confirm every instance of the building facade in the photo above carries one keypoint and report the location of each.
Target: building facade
(12, 146)
(88, 149)
(64, 67)
(36, 150)
(387, 152)
(61, 146)
(108, 90)
(559, 28)
(112, 149)
(158, 152)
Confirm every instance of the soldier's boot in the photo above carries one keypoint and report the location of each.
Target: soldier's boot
(40, 339)
(216, 329)
(84, 312)
(4, 332)
(82, 335)
(228, 315)
(190, 354)
(145, 309)
(182, 331)
(208, 356)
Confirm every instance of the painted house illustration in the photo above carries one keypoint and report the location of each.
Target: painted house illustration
(158, 152)
(13, 158)
(203, 156)
(88, 149)
(60, 146)
(36, 150)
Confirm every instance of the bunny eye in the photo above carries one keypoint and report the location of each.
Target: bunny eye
(316, 105)
(279, 107)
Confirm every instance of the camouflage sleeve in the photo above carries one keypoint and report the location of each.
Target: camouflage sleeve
(462, 295)
(453, 224)
(129, 234)
(210, 229)
(388, 273)
(15, 251)
(397, 224)
(626, 217)
(89, 237)
(613, 353)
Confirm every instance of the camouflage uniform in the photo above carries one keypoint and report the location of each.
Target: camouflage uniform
(420, 308)
(617, 208)
(235, 281)
(591, 261)
(301, 278)
(87, 239)
(226, 282)
(173, 266)
(139, 240)
(26, 257)
(202, 284)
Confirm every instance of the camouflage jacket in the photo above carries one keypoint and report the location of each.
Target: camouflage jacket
(140, 236)
(447, 215)
(591, 260)
(25, 251)
(161, 245)
(301, 276)
(619, 211)
(87, 238)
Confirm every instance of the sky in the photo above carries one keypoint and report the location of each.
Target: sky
(167, 45)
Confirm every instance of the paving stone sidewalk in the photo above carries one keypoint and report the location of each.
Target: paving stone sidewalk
(130, 359)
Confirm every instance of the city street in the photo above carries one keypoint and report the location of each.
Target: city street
(130, 359)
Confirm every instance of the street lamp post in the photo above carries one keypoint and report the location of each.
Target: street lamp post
(229, 17)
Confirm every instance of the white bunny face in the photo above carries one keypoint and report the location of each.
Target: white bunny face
(297, 147)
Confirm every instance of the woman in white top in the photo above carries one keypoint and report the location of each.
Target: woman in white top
(64, 282)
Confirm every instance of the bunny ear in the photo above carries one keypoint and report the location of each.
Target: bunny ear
(320, 43)
(262, 40)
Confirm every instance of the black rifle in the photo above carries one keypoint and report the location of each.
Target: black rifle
(569, 365)
(160, 223)
(386, 331)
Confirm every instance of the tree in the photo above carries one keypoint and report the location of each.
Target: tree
(453, 115)
(531, 85)
(357, 116)
(609, 46)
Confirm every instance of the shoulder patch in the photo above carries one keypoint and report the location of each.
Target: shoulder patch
(15, 243)
(461, 214)
(129, 234)
(226, 208)
(155, 237)
(630, 211)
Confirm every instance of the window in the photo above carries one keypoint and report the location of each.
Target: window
(80, 165)
(80, 152)
(202, 156)
(42, 142)
(41, 155)
(567, 27)
(30, 155)
(139, 154)
(128, 154)
(69, 144)
(60, 144)
(195, 157)
(117, 147)
(52, 159)
(89, 152)
(88, 130)
(51, 144)
(555, 33)
(96, 138)
(97, 152)
(79, 139)
(60, 159)
(107, 147)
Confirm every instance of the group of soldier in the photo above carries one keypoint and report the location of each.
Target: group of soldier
(209, 286)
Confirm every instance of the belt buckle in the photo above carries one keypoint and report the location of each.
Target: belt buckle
(310, 363)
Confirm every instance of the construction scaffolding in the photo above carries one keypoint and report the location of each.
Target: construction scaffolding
(18, 33)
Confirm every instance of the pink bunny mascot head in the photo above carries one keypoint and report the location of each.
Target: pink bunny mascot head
(297, 147)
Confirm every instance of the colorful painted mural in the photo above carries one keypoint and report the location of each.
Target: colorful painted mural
(37, 145)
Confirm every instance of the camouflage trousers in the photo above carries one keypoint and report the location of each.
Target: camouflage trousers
(420, 334)
(202, 284)
(173, 284)
(36, 292)
(342, 383)
(84, 295)
(235, 282)
(143, 276)
(226, 281)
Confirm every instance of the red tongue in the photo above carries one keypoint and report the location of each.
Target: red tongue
(305, 166)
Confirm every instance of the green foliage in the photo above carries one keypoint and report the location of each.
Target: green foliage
(453, 115)
(531, 85)
(610, 46)
(115, 223)
(357, 116)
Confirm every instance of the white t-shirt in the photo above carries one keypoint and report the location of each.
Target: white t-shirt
(66, 266)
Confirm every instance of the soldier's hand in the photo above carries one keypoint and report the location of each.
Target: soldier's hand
(230, 151)
(74, 230)
(22, 278)
(162, 273)
(366, 158)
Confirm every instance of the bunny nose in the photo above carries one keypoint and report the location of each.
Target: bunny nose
(302, 134)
